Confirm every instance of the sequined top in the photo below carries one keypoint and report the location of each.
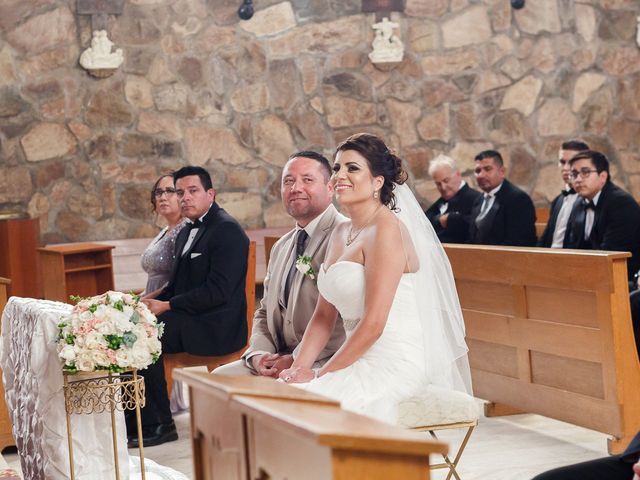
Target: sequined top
(157, 259)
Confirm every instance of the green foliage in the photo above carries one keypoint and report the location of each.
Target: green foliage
(114, 341)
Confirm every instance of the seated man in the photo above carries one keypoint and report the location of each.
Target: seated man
(606, 217)
(203, 307)
(504, 215)
(290, 297)
(451, 213)
(615, 467)
(553, 235)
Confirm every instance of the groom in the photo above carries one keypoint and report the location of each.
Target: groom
(289, 295)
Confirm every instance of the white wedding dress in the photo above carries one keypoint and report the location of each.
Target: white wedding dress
(392, 369)
(422, 346)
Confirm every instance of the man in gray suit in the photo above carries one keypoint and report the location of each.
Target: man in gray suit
(290, 295)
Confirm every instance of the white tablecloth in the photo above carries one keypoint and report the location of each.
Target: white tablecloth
(32, 376)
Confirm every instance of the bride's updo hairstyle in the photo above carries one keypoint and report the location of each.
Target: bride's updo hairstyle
(382, 163)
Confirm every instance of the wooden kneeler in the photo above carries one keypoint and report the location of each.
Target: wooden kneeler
(181, 360)
(438, 409)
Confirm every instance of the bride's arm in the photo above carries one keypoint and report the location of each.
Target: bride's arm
(384, 264)
(317, 334)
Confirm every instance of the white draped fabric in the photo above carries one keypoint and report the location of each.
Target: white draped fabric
(32, 376)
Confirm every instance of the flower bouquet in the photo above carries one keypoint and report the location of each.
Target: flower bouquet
(113, 331)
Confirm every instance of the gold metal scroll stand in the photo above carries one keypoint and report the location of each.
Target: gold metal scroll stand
(95, 394)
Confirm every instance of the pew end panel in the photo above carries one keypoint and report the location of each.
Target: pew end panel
(550, 332)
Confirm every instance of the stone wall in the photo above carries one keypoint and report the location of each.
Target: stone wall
(200, 86)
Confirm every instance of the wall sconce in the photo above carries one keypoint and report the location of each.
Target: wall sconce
(517, 4)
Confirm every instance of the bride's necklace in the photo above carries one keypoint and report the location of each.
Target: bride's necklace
(351, 235)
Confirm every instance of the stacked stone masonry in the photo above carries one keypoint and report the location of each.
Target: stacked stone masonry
(200, 86)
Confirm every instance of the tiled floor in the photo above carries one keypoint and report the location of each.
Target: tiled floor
(503, 448)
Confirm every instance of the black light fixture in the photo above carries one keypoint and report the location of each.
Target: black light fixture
(245, 12)
(517, 4)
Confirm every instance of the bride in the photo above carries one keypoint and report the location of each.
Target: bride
(387, 275)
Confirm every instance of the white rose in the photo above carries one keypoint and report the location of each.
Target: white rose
(67, 353)
(140, 356)
(94, 341)
(123, 357)
(115, 296)
(85, 363)
(100, 358)
(303, 267)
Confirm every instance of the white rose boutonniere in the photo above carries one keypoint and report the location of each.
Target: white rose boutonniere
(303, 264)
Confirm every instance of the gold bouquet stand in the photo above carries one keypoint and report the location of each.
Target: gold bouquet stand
(86, 393)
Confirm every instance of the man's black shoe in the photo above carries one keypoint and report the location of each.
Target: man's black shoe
(155, 435)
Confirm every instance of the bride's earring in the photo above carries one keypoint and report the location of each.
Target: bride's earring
(375, 194)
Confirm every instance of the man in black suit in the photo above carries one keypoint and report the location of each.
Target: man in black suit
(504, 214)
(605, 217)
(561, 206)
(203, 307)
(451, 213)
(615, 467)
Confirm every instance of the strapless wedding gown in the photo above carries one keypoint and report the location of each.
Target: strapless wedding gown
(392, 369)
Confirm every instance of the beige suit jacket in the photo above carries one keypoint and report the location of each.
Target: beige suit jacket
(280, 330)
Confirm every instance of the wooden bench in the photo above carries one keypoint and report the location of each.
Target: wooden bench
(550, 332)
(252, 427)
(180, 360)
(542, 218)
(128, 273)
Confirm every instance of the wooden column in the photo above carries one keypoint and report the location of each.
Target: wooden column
(19, 238)
(6, 437)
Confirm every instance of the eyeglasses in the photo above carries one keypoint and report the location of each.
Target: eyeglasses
(158, 192)
(583, 173)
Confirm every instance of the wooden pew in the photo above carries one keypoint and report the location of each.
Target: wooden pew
(253, 427)
(550, 332)
(180, 360)
(542, 218)
(128, 272)
(6, 435)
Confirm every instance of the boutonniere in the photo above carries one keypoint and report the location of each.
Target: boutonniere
(303, 264)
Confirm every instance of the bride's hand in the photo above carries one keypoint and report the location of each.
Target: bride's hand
(297, 375)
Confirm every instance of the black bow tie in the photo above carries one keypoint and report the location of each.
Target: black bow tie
(571, 191)
(196, 224)
(589, 205)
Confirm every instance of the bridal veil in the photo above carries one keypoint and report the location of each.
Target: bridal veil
(443, 331)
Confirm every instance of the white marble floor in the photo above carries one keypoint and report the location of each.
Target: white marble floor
(503, 448)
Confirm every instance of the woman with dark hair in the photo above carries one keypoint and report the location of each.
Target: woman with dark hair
(157, 259)
(387, 275)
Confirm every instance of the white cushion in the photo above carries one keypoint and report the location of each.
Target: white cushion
(437, 406)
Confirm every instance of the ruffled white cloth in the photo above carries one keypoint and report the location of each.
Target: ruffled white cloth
(33, 381)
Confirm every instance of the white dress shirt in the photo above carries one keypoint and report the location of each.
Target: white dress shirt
(563, 218)
(192, 233)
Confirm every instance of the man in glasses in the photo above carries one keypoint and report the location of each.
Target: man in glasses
(203, 307)
(605, 217)
(451, 213)
(504, 214)
(553, 235)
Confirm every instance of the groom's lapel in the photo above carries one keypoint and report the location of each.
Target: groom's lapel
(319, 236)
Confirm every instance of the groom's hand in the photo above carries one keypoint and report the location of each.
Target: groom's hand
(636, 469)
(271, 364)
